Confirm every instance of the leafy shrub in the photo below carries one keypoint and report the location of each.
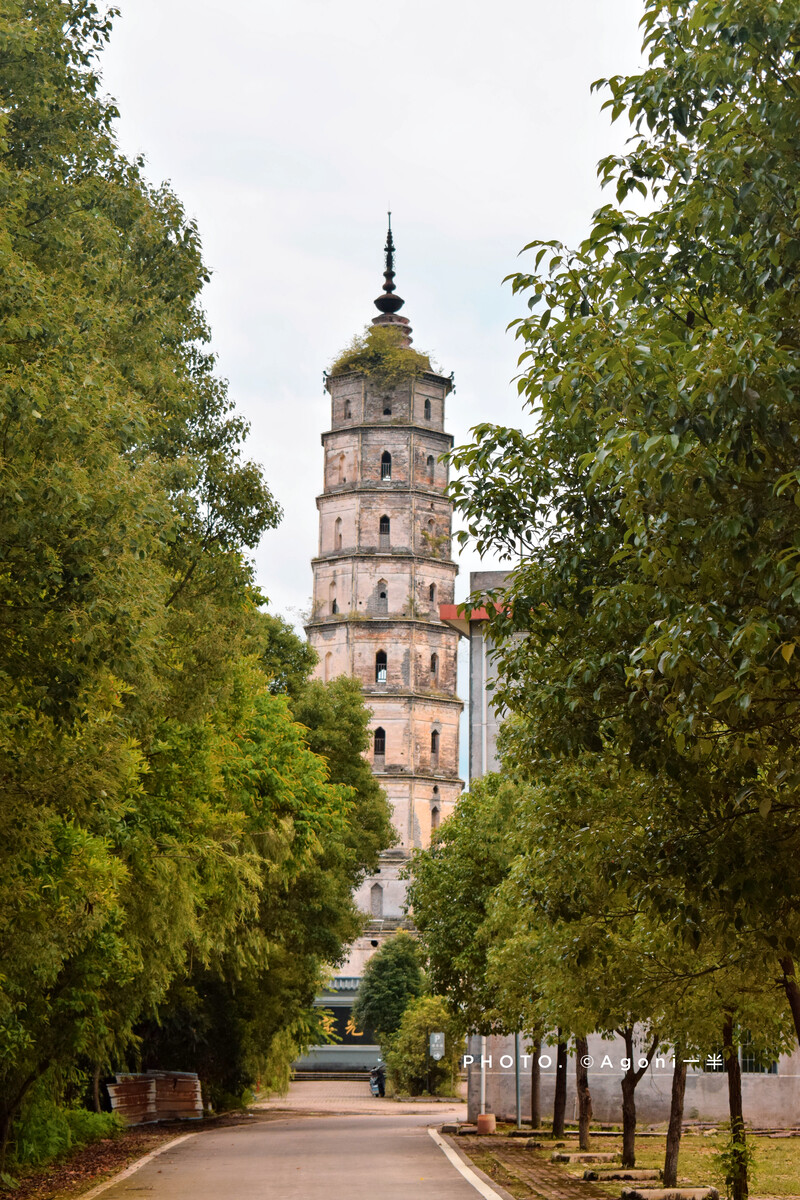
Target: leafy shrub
(728, 1157)
(411, 1068)
(380, 353)
(45, 1129)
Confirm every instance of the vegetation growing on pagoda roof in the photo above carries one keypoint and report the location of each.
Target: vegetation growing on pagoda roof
(381, 354)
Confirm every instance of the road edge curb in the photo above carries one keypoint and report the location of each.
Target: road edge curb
(485, 1186)
(134, 1166)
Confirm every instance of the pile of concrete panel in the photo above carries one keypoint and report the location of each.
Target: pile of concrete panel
(157, 1096)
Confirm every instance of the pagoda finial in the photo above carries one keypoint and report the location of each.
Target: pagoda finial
(388, 302)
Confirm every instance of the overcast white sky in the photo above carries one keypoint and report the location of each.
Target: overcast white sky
(289, 128)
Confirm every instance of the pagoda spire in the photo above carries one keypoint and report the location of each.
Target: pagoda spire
(388, 303)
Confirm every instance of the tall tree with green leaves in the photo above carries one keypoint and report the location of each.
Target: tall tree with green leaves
(161, 806)
(392, 978)
(655, 502)
(244, 1013)
(452, 883)
(566, 928)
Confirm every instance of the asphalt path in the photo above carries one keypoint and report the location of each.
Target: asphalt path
(347, 1157)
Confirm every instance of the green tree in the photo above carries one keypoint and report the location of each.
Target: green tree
(337, 728)
(452, 884)
(240, 1015)
(286, 659)
(392, 978)
(133, 839)
(567, 931)
(655, 500)
(411, 1069)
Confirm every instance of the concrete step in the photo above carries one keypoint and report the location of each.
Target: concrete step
(676, 1193)
(313, 1076)
(631, 1174)
(585, 1156)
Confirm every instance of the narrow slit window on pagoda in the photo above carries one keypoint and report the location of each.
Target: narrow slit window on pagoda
(380, 667)
(434, 743)
(384, 528)
(431, 466)
(432, 593)
(434, 667)
(379, 743)
(386, 465)
(427, 410)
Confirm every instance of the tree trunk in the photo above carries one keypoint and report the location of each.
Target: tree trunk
(629, 1081)
(96, 1089)
(584, 1095)
(9, 1111)
(560, 1098)
(675, 1120)
(5, 1130)
(628, 1120)
(536, 1086)
(737, 1178)
(792, 990)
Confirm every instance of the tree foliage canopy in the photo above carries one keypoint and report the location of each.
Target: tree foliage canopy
(656, 497)
(411, 1068)
(392, 979)
(652, 621)
(451, 889)
(162, 809)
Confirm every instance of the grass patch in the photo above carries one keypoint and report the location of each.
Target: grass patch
(776, 1173)
(777, 1162)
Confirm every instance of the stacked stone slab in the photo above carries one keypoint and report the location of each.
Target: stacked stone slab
(382, 570)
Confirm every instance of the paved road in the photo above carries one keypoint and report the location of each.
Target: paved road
(349, 1095)
(354, 1156)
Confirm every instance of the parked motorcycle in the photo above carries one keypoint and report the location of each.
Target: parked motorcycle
(377, 1080)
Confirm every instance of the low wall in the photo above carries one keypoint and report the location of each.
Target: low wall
(339, 1058)
(769, 1101)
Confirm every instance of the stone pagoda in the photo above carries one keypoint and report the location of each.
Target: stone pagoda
(383, 568)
